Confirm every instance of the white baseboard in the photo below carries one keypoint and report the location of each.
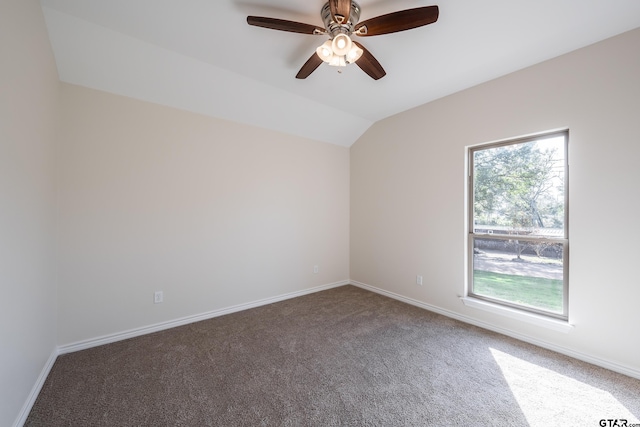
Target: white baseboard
(613, 366)
(26, 408)
(131, 333)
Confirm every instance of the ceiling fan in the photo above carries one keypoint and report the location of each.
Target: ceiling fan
(340, 19)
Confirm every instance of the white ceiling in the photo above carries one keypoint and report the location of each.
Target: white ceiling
(201, 56)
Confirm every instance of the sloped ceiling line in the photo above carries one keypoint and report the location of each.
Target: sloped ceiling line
(201, 56)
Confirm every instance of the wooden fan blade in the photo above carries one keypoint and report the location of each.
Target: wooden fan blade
(284, 25)
(309, 66)
(340, 10)
(369, 64)
(398, 21)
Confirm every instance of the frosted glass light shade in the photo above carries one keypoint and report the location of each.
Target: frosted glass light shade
(354, 54)
(337, 61)
(325, 52)
(341, 44)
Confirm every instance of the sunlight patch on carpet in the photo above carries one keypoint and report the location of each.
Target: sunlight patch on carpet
(549, 398)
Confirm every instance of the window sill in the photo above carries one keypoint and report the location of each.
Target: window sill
(545, 322)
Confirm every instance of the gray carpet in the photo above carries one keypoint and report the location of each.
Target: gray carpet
(339, 357)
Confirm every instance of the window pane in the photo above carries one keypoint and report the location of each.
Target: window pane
(518, 189)
(527, 273)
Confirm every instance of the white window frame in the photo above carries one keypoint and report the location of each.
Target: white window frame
(510, 309)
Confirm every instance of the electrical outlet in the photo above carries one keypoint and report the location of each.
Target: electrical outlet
(315, 269)
(419, 280)
(158, 297)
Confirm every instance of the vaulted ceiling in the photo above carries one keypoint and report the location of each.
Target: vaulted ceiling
(201, 56)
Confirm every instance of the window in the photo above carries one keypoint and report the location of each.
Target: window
(518, 230)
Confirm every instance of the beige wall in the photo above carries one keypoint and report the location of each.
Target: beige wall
(408, 185)
(212, 213)
(28, 95)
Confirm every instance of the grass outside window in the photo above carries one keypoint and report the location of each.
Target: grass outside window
(534, 292)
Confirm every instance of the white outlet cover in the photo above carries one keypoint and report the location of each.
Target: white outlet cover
(158, 297)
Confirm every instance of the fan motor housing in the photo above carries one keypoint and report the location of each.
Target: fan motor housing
(334, 28)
